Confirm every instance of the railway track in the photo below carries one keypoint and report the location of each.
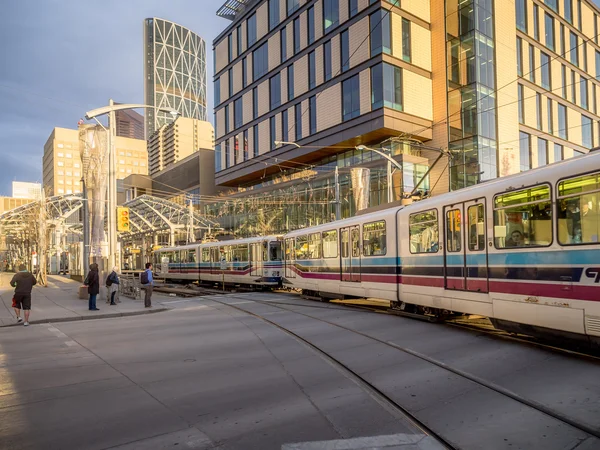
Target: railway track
(528, 406)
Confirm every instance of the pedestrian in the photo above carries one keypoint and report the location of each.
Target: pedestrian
(112, 284)
(23, 282)
(93, 284)
(148, 284)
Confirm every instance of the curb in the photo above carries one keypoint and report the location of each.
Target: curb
(99, 316)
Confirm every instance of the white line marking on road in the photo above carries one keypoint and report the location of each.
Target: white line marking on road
(71, 343)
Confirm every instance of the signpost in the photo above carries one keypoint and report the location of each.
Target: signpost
(223, 269)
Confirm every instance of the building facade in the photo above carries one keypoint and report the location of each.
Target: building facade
(23, 189)
(62, 166)
(178, 140)
(174, 73)
(502, 87)
(129, 124)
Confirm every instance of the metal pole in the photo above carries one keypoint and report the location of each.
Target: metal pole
(390, 192)
(86, 231)
(338, 205)
(426, 173)
(112, 190)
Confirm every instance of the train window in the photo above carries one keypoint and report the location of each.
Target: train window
(453, 231)
(374, 238)
(476, 217)
(239, 252)
(355, 241)
(345, 241)
(301, 247)
(314, 245)
(226, 253)
(183, 256)
(275, 251)
(579, 204)
(424, 232)
(191, 256)
(523, 218)
(330, 244)
(205, 255)
(289, 249)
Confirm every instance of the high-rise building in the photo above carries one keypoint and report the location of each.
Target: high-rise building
(62, 167)
(129, 124)
(178, 140)
(174, 73)
(502, 88)
(23, 189)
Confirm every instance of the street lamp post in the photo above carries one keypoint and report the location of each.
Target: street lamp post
(112, 167)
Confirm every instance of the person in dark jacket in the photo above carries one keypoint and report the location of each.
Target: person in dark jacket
(112, 286)
(93, 284)
(23, 283)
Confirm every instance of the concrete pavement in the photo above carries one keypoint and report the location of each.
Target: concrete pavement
(59, 302)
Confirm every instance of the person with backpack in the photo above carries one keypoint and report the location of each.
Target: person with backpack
(112, 285)
(23, 282)
(147, 283)
(92, 281)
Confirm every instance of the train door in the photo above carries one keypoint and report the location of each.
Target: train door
(465, 253)
(256, 259)
(290, 258)
(215, 260)
(350, 253)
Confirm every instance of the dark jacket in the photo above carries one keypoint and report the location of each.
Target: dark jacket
(23, 282)
(93, 282)
(113, 277)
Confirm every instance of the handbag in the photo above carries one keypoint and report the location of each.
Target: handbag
(14, 304)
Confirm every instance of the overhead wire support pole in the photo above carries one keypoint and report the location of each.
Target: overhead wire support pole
(338, 206)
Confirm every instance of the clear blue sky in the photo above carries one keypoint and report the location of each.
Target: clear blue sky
(60, 58)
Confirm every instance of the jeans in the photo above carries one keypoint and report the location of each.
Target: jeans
(92, 301)
(112, 297)
(148, 296)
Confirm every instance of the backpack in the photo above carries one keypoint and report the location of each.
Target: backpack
(144, 277)
(109, 280)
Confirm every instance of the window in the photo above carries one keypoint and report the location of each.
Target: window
(597, 65)
(251, 30)
(60, 154)
(585, 65)
(406, 53)
(312, 70)
(542, 152)
(327, 71)
(519, 56)
(568, 11)
(314, 245)
(302, 247)
(531, 63)
(226, 119)
(353, 7)
(546, 81)
(381, 39)
(227, 154)
(255, 140)
(476, 218)
(292, 5)
(574, 50)
(578, 219)
(521, 102)
(424, 232)
(587, 138)
(552, 4)
(523, 218)
(549, 31)
(563, 76)
(254, 103)
(272, 132)
(594, 98)
(229, 47)
(260, 61)
(283, 43)
(273, 14)
(205, 255)
(310, 19)
(350, 98)
(245, 145)
(538, 110)
(550, 116)
(284, 126)
(290, 82)
(453, 231)
(579, 15)
(562, 40)
(345, 51)
(296, 35)
(374, 239)
(562, 121)
(536, 22)
(330, 244)
(230, 84)
(583, 91)
(386, 85)
(331, 14)
(238, 35)
(298, 120)
(275, 91)
(244, 72)
(558, 152)
(595, 28)
(238, 113)
(573, 87)
(312, 114)
(524, 151)
(521, 7)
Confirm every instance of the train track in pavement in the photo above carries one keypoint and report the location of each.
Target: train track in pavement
(589, 433)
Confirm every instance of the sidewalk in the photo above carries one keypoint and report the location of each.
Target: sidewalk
(59, 302)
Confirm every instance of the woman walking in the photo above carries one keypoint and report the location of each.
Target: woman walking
(93, 284)
(112, 285)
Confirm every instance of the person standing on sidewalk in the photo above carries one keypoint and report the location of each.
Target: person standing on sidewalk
(112, 284)
(93, 284)
(23, 283)
(147, 283)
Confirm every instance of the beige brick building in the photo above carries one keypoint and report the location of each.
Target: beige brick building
(504, 85)
(62, 168)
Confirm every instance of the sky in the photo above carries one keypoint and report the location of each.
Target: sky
(61, 58)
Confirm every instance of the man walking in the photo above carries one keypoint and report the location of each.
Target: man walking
(23, 283)
(148, 283)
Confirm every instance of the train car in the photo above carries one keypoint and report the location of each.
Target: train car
(252, 261)
(522, 250)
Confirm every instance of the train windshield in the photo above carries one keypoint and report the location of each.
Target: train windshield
(275, 251)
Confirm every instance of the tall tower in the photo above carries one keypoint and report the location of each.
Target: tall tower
(174, 73)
